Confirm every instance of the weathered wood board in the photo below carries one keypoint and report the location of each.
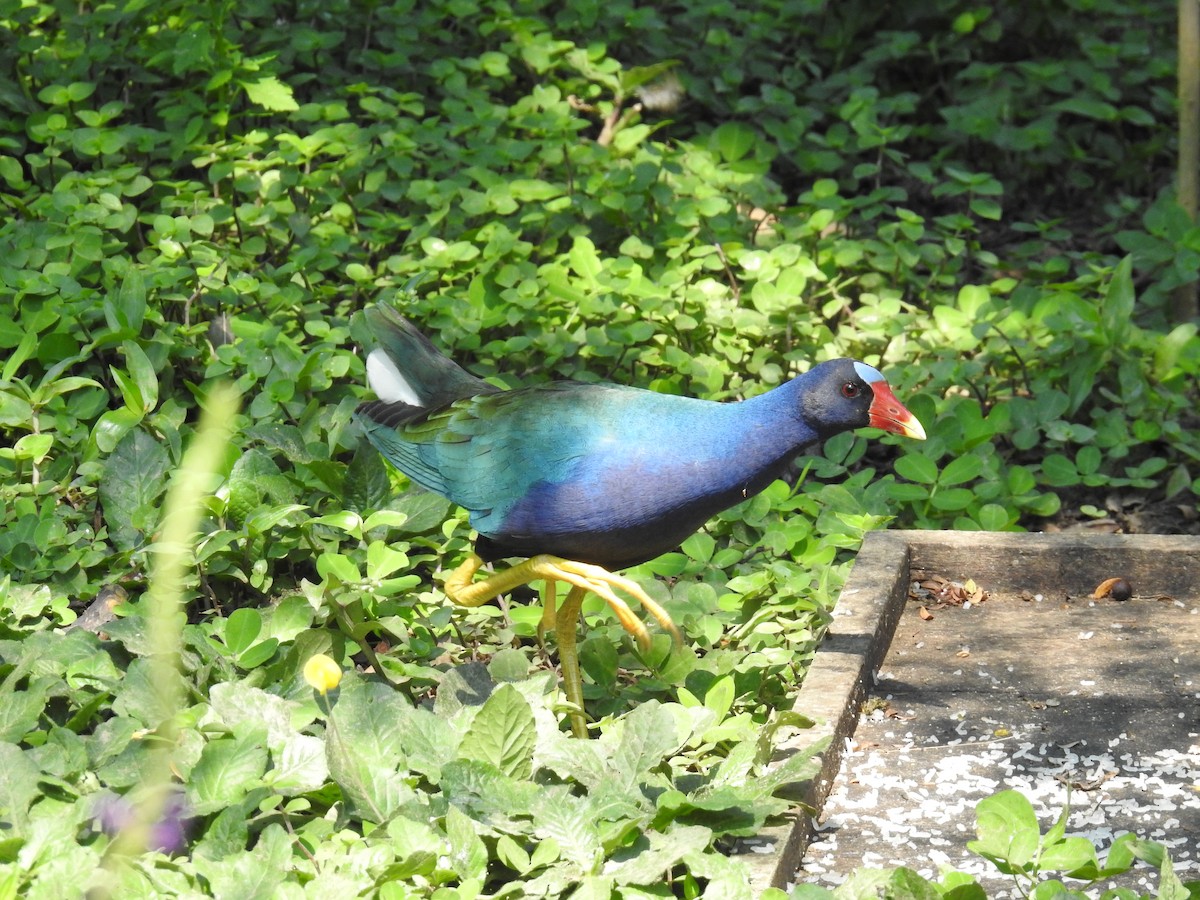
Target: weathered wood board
(1061, 567)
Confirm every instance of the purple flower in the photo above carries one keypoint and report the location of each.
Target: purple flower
(113, 814)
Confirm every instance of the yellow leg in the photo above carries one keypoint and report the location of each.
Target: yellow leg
(463, 590)
(549, 609)
(571, 676)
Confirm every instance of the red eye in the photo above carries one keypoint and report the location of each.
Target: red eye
(850, 390)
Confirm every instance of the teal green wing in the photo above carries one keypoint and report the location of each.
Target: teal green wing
(483, 452)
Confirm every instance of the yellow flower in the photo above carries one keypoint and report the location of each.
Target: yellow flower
(322, 673)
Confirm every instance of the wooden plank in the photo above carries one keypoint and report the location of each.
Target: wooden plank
(871, 603)
(835, 687)
(1155, 564)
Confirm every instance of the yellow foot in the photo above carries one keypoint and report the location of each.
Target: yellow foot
(462, 589)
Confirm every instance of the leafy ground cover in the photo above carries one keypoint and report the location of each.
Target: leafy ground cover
(702, 201)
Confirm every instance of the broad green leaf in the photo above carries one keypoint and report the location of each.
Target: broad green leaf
(237, 704)
(139, 694)
(135, 476)
(584, 260)
(915, 467)
(299, 766)
(20, 353)
(242, 628)
(1116, 307)
(126, 311)
(1168, 349)
(254, 874)
(32, 447)
(336, 565)
(141, 372)
(228, 768)
(112, 427)
(468, 855)
(509, 664)
(14, 410)
(719, 696)
(734, 140)
(21, 710)
(264, 520)
(503, 733)
(271, 93)
(992, 517)
(572, 823)
(364, 738)
(258, 654)
(1059, 471)
(987, 208)
(651, 864)
(636, 76)
(11, 172)
(465, 685)
(961, 469)
(130, 392)
(1008, 831)
(382, 560)
(1068, 855)
(416, 845)
(1089, 107)
(647, 737)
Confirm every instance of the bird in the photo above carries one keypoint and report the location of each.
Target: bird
(582, 479)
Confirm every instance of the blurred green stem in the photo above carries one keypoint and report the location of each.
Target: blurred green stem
(163, 607)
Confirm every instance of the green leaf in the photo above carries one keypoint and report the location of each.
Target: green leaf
(141, 371)
(719, 696)
(254, 874)
(1008, 831)
(135, 476)
(21, 710)
(242, 628)
(585, 261)
(734, 140)
(127, 310)
(18, 784)
(1068, 855)
(112, 427)
(915, 467)
(648, 736)
(986, 208)
(14, 410)
(20, 353)
(1116, 307)
(468, 855)
(382, 560)
(299, 766)
(1168, 349)
(367, 486)
(336, 565)
(503, 733)
(961, 469)
(571, 822)
(227, 769)
(271, 93)
(663, 852)
(365, 734)
(1059, 471)
(509, 664)
(992, 517)
(416, 845)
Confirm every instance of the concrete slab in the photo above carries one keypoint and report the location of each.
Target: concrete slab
(1033, 694)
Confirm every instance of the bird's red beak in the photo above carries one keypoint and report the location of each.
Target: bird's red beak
(889, 414)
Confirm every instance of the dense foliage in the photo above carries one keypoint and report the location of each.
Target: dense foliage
(699, 199)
